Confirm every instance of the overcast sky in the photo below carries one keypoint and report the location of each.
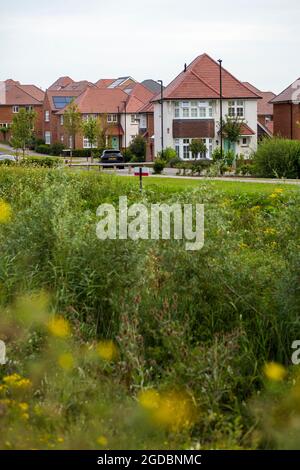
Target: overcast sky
(258, 40)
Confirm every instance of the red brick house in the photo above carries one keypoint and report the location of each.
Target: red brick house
(13, 97)
(264, 111)
(287, 112)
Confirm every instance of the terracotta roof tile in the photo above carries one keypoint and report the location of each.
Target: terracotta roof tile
(104, 82)
(60, 83)
(26, 95)
(264, 107)
(201, 80)
(246, 130)
(100, 101)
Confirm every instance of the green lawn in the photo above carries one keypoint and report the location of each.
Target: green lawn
(232, 187)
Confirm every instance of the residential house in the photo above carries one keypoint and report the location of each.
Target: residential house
(287, 112)
(54, 101)
(13, 97)
(110, 104)
(191, 109)
(264, 112)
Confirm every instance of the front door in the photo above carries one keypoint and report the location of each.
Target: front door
(229, 145)
(115, 143)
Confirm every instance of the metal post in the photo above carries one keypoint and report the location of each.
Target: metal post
(141, 179)
(125, 138)
(221, 107)
(162, 116)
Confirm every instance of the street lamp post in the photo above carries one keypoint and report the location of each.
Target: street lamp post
(221, 107)
(162, 116)
(125, 138)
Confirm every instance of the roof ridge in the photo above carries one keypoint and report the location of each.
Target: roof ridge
(205, 82)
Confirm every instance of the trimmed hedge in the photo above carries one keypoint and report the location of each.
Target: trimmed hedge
(54, 149)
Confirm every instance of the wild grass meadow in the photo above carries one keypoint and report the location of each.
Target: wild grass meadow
(122, 344)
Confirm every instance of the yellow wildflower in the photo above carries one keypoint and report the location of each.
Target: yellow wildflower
(16, 381)
(102, 441)
(255, 208)
(107, 350)
(5, 212)
(60, 439)
(270, 231)
(273, 195)
(3, 388)
(23, 406)
(274, 371)
(278, 190)
(243, 245)
(25, 416)
(66, 361)
(149, 399)
(171, 410)
(59, 327)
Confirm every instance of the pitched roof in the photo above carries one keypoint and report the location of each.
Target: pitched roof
(264, 107)
(23, 95)
(104, 82)
(152, 85)
(290, 95)
(201, 79)
(60, 93)
(34, 91)
(246, 130)
(97, 100)
(81, 85)
(138, 98)
(60, 83)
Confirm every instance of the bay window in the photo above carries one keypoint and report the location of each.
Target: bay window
(182, 147)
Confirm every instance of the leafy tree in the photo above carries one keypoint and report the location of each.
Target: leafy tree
(138, 148)
(232, 127)
(90, 129)
(197, 146)
(102, 127)
(72, 122)
(4, 131)
(22, 129)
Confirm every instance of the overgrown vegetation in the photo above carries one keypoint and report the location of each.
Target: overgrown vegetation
(278, 158)
(141, 344)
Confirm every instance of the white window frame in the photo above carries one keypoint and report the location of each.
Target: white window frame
(86, 144)
(236, 108)
(245, 142)
(61, 119)
(193, 109)
(181, 146)
(15, 109)
(47, 116)
(29, 108)
(133, 119)
(47, 137)
(112, 118)
(4, 124)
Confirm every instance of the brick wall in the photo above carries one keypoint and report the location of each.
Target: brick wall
(7, 115)
(286, 116)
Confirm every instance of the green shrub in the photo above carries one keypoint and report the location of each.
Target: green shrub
(46, 162)
(277, 158)
(158, 166)
(168, 154)
(137, 148)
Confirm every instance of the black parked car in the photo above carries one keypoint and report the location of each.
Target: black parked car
(112, 156)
